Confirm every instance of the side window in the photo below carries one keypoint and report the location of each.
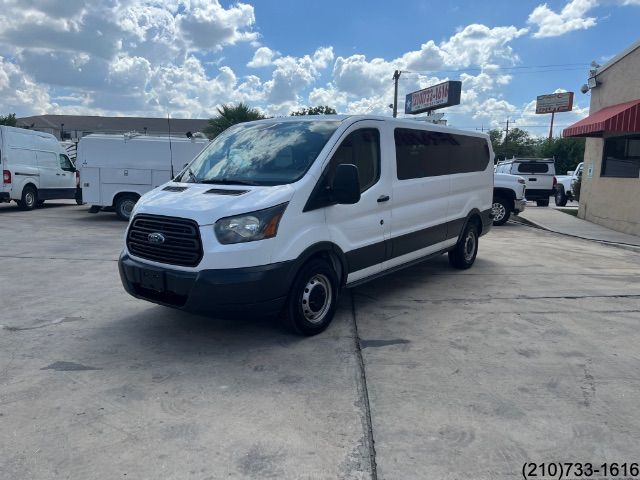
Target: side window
(362, 149)
(65, 163)
(423, 153)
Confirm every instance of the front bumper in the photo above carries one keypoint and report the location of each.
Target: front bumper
(519, 205)
(223, 293)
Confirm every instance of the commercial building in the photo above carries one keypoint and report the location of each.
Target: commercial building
(610, 192)
(74, 127)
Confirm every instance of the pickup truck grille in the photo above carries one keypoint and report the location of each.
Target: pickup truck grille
(171, 240)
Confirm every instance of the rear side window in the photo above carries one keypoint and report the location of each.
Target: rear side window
(362, 149)
(422, 153)
(533, 167)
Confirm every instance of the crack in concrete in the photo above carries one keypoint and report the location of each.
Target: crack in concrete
(364, 391)
(522, 297)
(28, 257)
(57, 321)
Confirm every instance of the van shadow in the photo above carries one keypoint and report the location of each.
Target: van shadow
(167, 335)
(8, 208)
(426, 277)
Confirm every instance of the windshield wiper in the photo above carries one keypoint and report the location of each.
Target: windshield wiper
(192, 175)
(229, 181)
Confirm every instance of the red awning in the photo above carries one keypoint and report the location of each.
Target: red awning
(624, 117)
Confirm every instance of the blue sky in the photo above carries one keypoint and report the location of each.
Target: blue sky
(185, 57)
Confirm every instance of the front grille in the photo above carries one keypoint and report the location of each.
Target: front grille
(181, 246)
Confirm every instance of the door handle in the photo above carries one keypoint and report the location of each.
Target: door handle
(383, 198)
(533, 179)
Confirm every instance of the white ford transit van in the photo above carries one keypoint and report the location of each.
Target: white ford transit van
(277, 215)
(34, 168)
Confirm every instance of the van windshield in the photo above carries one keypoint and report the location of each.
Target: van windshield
(272, 153)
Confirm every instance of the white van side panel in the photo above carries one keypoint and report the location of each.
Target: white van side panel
(136, 165)
(90, 184)
(126, 176)
(469, 191)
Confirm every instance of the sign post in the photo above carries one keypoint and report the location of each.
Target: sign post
(438, 96)
(552, 103)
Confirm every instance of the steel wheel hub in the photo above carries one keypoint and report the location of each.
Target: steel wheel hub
(316, 298)
(469, 246)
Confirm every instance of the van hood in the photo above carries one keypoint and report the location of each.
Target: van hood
(207, 203)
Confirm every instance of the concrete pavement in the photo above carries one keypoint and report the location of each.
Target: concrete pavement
(554, 220)
(452, 374)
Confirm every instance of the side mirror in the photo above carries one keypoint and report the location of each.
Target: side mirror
(346, 185)
(569, 172)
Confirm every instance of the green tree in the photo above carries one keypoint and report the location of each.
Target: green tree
(319, 110)
(229, 115)
(495, 136)
(9, 120)
(517, 143)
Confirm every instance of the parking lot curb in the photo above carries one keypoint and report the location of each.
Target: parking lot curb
(529, 223)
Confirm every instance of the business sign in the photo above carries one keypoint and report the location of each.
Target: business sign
(439, 96)
(555, 102)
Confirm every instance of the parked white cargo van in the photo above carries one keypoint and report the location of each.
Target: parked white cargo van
(277, 215)
(34, 168)
(116, 170)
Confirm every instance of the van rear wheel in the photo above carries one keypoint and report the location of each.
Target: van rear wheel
(312, 299)
(124, 206)
(29, 199)
(464, 253)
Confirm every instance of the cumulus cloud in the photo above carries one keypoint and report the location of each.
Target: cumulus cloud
(573, 16)
(263, 57)
(150, 57)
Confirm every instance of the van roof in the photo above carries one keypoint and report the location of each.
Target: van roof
(27, 131)
(140, 136)
(400, 122)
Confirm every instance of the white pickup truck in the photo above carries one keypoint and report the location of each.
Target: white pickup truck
(508, 197)
(565, 187)
(538, 174)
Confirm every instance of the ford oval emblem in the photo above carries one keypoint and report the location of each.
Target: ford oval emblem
(156, 238)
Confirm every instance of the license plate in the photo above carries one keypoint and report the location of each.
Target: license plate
(152, 280)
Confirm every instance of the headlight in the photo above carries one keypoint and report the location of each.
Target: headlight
(250, 226)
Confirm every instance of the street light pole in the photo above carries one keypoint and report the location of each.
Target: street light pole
(396, 77)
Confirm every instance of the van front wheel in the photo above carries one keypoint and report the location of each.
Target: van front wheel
(29, 199)
(464, 253)
(312, 298)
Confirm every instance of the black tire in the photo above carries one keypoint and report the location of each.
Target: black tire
(542, 202)
(29, 198)
(313, 293)
(464, 253)
(501, 210)
(124, 205)
(560, 197)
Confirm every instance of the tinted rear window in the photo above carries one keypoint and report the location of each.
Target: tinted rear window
(422, 153)
(533, 167)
